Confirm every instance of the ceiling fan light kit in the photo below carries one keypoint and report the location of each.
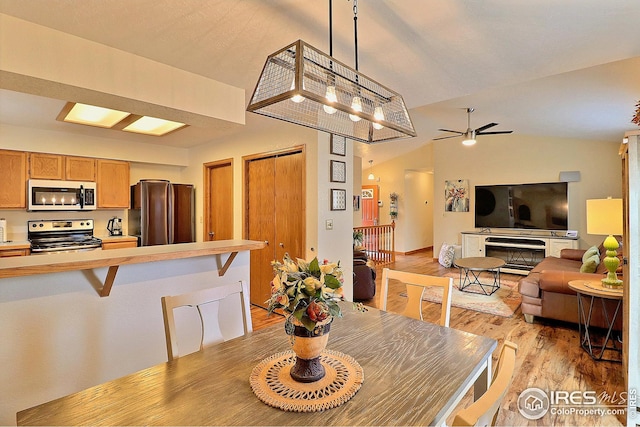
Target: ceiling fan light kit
(470, 134)
(302, 85)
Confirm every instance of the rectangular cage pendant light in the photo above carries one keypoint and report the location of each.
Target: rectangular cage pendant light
(302, 85)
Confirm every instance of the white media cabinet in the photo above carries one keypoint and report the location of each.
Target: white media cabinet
(521, 251)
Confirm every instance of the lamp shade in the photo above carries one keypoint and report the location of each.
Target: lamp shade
(302, 85)
(604, 216)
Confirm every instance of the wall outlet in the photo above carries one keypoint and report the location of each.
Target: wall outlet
(329, 224)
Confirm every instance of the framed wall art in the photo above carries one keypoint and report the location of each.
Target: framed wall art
(338, 145)
(456, 195)
(338, 171)
(338, 199)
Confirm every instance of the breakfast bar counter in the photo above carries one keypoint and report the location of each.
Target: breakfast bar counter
(44, 264)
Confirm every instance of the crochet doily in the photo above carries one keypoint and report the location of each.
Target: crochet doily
(271, 382)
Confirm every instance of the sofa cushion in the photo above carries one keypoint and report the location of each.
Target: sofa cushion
(589, 253)
(447, 253)
(574, 254)
(590, 265)
(553, 263)
(557, 281)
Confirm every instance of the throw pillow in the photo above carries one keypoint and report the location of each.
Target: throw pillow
(593, 250)
(447, 252)
(590, 265)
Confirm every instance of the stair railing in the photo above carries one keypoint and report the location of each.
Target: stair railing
(378, 242)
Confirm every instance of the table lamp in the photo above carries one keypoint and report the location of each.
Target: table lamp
(604, 216)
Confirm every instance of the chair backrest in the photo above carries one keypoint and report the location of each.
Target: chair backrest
(210, 325)
(416, 284)
(484, 411)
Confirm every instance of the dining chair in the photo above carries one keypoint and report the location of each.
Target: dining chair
(484, 411)
(416, 284)
(207, 303)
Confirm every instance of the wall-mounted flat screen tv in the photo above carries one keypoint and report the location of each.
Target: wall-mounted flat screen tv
(542, 206)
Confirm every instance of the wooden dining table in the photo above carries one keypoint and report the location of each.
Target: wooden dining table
(415, 373)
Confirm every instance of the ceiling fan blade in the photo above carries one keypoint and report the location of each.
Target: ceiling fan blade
(446, 137)
(487, 126)
(452, 131)
(494, 133)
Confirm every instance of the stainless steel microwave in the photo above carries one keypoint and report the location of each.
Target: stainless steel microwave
(53, 195)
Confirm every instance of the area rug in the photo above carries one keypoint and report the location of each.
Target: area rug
(504, 302)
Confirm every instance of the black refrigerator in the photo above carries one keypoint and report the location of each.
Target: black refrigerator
(162, 213)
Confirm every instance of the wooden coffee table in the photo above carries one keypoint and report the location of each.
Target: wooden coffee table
(472, 267)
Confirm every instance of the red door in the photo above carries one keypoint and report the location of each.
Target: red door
(369, 204)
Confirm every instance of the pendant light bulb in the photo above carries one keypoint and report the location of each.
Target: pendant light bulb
(371, 176)
(297, 98)
(378, 114)
(330, 96)
(356, 105)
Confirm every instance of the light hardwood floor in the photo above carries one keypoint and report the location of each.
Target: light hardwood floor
(549, 355)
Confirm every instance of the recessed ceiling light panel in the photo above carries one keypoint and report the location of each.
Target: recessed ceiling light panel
(153, 126)
(94, 116)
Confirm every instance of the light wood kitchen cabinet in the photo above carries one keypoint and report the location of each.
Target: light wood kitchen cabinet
(46, 166)
(13, 179)
(53, 166)
(120, 244)
(112, 184)
(5, 253)
(79, 169)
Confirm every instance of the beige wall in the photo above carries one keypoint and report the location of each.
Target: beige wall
(525, 159)
(410, 176)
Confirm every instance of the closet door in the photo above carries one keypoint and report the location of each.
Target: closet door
(290, 205)
(275, 209)
(260, 224)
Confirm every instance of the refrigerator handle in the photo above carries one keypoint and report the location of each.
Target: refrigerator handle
(170, 213)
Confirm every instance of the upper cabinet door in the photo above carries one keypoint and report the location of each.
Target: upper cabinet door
(13, 179)
(79, 169)
(46, 166)
(113, 184)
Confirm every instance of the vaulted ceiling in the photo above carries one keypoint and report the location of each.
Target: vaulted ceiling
(566, 68)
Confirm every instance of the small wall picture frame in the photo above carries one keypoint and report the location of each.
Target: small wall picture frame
(338, 145)
(338, 171)
(338, 199)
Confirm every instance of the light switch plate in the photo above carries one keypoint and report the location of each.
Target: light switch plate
(329, 224)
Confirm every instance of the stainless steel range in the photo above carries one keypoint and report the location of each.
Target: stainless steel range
(56, 236)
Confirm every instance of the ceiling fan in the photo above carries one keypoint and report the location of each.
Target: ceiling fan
(470, 134)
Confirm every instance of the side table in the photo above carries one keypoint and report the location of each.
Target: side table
(588, 291)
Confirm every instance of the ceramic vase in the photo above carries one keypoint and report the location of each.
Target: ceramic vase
(308, 345)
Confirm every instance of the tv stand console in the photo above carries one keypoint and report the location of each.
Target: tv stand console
(520, 251)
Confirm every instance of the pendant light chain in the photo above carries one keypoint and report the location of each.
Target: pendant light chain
(331, 28)
(355, 29)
